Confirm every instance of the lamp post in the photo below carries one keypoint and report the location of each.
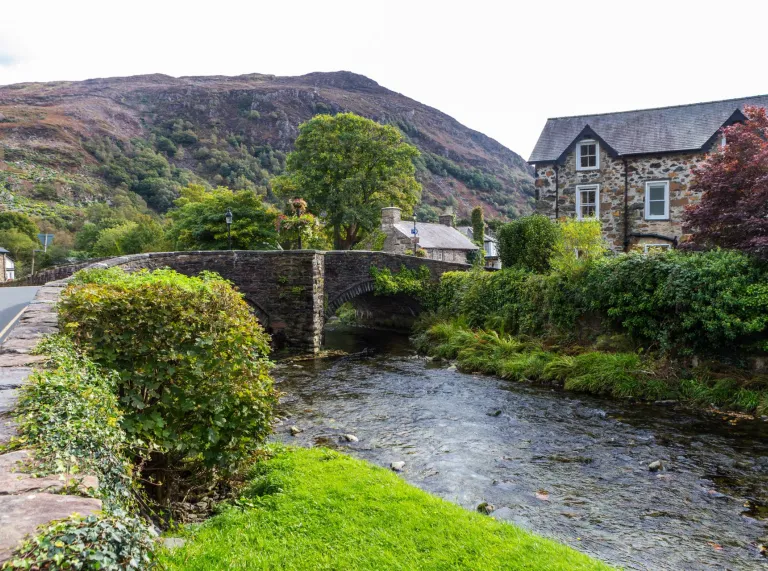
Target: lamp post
(228, 218)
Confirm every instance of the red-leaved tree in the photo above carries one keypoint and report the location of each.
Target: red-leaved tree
(733, 211)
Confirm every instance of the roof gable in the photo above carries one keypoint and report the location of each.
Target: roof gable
(647, 131)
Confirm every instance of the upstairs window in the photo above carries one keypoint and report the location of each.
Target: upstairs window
(587, 201)
(657, 200)
(587, 156)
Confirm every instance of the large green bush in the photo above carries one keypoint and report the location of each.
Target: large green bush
(193, 377)
(711, 302)
(528, 243)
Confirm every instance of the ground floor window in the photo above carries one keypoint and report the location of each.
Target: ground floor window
(655, 247)
(587, 201)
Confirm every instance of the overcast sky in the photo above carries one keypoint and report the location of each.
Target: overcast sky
(499, 67)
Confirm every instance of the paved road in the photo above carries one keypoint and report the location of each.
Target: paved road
(12, 301)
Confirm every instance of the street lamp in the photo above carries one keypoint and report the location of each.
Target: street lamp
(228, 218)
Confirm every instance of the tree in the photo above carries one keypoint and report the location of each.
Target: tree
(18, 221)
(349, 168)
(733, 210)
(20, 245)
(478, 226)
(144, 235)
(198, 220)
(528, 243)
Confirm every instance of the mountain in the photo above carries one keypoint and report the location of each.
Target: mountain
(67, 144)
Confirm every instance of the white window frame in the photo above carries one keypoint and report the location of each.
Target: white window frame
(664, 246)
(648, 215)
(597, 155)
(587, 188)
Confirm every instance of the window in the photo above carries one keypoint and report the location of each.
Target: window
(657, 200)
(587, 156)
(587, 201)
(655, 247)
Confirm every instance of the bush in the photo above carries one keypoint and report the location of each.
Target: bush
(190, 357)
(579, 243)
(714, 302)
(528, 243)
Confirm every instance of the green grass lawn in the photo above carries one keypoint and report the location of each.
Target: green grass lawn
(318, 509)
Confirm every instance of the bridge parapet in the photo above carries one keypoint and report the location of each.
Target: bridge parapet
(292, 291)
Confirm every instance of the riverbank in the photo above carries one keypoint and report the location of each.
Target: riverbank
(625, 375)
(319, 509)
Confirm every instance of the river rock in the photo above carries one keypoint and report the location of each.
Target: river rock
(503, 513)
(486, 508)
(655, 466)
(349, 438)
(397, 466)
(295, 430)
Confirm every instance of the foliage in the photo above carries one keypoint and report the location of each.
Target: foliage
(108, 543)
(350, 167)
(197, 221)
(416, 283)
(579, 242)
(137, 166)
(528, 243)
(703, 303)
(145, 235)
(709, 302)
(191, 361)
(20, 245)
(478, 226)
(373, 241)
(733, 210)
(70, 415)
(328, 498)
(19, 222)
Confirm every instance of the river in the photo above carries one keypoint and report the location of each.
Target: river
(563, 465)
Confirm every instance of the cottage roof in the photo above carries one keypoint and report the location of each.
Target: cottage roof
(437, 236)
(488, 236)
(645, 131)
(3, 250)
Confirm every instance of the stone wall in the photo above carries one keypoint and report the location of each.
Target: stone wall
(26, 501)
(292, 292)
(51, 274)
(675, 168)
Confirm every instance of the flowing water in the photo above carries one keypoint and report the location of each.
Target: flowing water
(563, 465)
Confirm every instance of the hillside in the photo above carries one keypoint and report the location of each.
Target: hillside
(67, 144)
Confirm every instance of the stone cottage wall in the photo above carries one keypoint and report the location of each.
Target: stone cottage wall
(676, 168)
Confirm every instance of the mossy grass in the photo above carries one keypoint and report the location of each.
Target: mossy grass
(318, 509)
(619, 374)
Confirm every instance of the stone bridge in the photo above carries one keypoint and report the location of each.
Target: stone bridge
(292, 292)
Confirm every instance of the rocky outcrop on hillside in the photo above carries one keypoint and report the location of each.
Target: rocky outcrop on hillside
(198, 122)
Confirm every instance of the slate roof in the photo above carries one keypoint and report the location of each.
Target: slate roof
(437, 236)
(489, 236)
(645, 131)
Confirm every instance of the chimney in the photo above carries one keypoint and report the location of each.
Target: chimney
(446, 220)
(390, 216)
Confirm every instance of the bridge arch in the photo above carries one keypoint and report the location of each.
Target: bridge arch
(356, 290)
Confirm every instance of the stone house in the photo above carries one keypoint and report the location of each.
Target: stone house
(441, 241)
(632, 169)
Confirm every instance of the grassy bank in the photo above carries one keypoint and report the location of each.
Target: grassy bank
(318, 509)
(616, 374)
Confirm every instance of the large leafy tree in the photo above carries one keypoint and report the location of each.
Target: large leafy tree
(347, 168)
(733, 210)
(198, 220)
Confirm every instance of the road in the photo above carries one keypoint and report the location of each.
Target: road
(12, 301)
